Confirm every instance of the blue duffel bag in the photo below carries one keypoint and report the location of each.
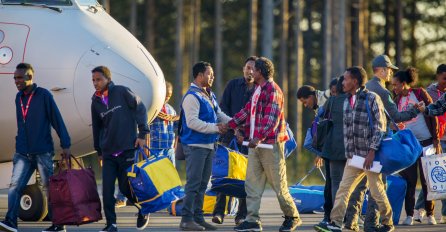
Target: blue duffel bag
(398, 150)
(396, 192)
(308, 199)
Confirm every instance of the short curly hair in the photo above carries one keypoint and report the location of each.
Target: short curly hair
(265, 66)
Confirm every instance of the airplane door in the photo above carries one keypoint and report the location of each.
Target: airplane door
(13, 40)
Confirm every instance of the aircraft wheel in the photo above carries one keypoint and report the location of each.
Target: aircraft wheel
(33, 204)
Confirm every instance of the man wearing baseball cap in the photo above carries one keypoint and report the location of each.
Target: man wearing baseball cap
(382, 73)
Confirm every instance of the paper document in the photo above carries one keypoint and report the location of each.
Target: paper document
(261, 145)
(358, 162)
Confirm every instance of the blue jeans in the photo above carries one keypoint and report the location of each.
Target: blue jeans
(198, 173)
(23, 167)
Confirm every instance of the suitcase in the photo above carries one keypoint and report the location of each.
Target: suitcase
(73, 196)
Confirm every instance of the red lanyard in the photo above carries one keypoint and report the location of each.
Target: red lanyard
(352, 101)
(25, 109)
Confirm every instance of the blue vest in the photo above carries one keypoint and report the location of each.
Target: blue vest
(207, 114)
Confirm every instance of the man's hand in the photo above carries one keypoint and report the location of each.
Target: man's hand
(253, 143)
(238, 136)
(420, 106)
(222, 128)
(318, 162)
(437, 146)
(140, 142)
(66, 153)
(368, 163)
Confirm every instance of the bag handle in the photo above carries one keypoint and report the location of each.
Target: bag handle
(233, 144)
(68, 162)
(141, 151)
(385, 111)
(309, 172)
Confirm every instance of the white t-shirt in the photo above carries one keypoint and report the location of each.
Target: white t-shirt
(417, 125)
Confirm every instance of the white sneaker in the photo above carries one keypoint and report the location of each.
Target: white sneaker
(408, 221)
(431, 220)
(443, 220)
(418, 215)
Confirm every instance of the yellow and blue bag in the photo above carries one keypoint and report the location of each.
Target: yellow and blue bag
(210, 199)
(229, 171)
(154, 182)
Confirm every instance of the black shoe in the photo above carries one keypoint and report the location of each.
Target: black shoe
(110, 228)
(290, 224)
(55, 228)
(191, 226)
(217, 218)
(142, 221)
(249, 226)
(386, 228)
(6, 225)
(239, 218)
(327, 227)
(206, 225)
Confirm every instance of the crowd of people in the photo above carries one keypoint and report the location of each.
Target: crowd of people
(362, 110)
(251, 110)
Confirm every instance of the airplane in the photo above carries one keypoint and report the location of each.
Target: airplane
(64, 40)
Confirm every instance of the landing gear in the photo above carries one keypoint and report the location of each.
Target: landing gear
(33, 204)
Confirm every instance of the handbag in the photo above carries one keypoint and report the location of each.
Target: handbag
(397, 150)
(73, 196)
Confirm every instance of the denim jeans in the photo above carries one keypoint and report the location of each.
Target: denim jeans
(198, 173)
(23, 167)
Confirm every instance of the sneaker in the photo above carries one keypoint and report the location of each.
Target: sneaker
(218, 219)
(8, 226)
(386, 228)
(290, 223)
(142, 221)
(431, 220)
(249, 226)
(352, 228)
(110, 228)
(443, 220)
(327, 227)
(239, 219)
(54, 228)
(206, 225)
(120, 203)
(191, 226)
(408, 221)
(418, 215)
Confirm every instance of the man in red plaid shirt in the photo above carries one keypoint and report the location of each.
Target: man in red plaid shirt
(265, 124)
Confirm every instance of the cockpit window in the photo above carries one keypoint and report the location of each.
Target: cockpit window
(87, 2)
(43, 2)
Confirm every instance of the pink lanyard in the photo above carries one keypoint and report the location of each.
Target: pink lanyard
(400, 106)
(25, 109)
(352, 101)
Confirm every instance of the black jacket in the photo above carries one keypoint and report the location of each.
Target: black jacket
(333, 148)
(114, 126)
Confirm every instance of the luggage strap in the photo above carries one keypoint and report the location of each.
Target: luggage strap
(309, 172)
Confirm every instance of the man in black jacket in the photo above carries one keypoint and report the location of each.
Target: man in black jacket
(116, 113)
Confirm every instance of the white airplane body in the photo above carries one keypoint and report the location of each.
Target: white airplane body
(64, 44)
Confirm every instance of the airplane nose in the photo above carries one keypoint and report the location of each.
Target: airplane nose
(136, 70)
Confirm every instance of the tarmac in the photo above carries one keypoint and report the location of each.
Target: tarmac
(271, 217)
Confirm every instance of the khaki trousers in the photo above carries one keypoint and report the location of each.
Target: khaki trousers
(351, 178)
(267, 165)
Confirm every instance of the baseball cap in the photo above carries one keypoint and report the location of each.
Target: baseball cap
(383, 61)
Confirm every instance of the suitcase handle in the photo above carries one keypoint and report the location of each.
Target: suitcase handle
(309, 172)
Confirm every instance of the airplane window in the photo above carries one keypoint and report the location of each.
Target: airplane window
(46, 2)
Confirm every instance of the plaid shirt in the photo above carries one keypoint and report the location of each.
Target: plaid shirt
(437, 108)
(270, 125)
(162, 134)
(359, 136)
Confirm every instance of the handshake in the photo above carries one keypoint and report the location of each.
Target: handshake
(222, 128)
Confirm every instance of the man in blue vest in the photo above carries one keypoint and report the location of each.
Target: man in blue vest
(202, 120)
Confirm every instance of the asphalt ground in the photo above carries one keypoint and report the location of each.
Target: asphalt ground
(162, 221)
